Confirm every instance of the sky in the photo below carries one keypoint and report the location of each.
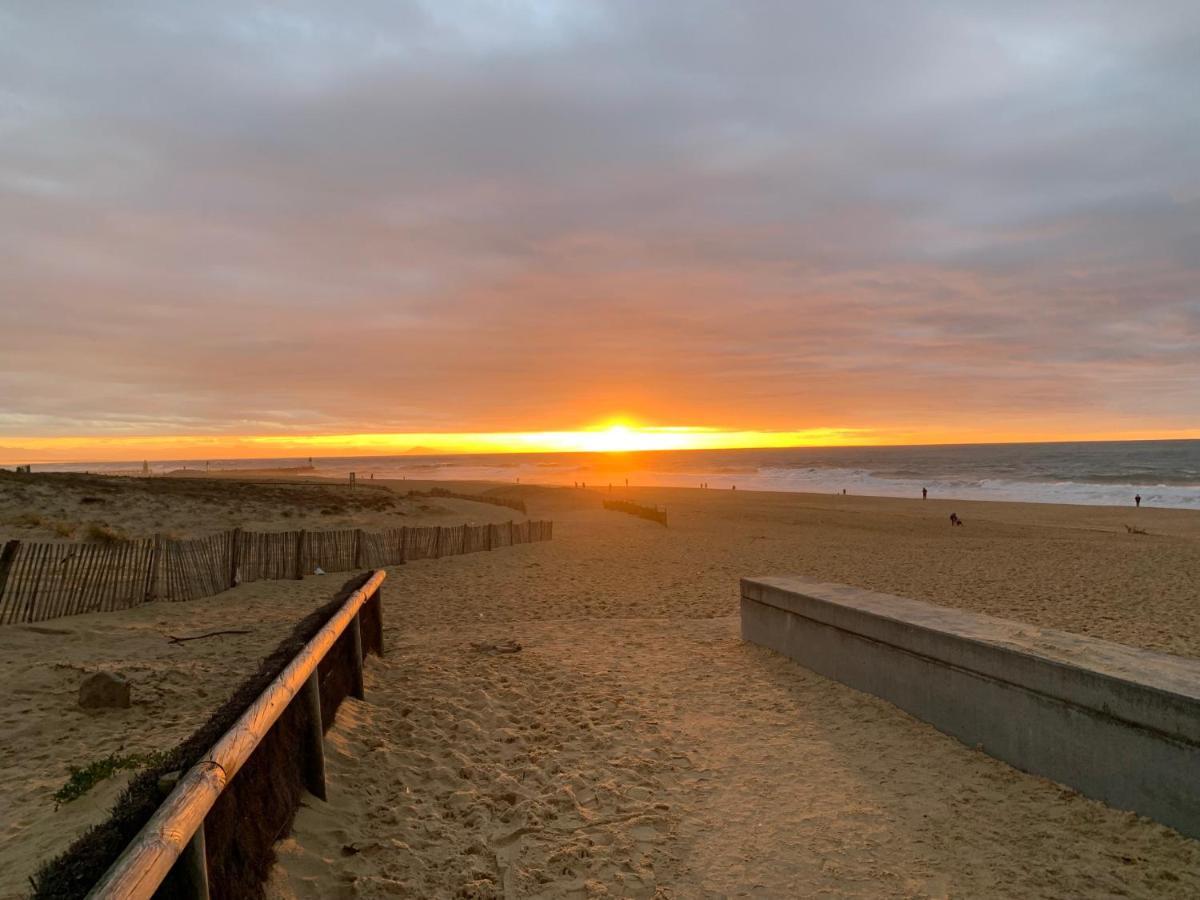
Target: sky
(230, 223)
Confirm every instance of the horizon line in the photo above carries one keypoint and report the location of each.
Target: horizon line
(580, 451)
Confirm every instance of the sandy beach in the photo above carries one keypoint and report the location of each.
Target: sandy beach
(635, 746)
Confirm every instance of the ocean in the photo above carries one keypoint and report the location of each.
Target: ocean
(1165, 473)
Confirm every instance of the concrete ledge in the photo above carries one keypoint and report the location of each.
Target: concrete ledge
(1116, 723)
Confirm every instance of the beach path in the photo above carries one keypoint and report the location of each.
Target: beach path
(635, 746)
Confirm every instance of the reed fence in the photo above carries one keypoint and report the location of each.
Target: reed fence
(40, 581)
(653, 513)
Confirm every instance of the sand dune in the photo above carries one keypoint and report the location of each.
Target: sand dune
(68, 507)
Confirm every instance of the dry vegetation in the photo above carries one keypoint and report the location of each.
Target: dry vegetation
(59, 506)
(66, 506)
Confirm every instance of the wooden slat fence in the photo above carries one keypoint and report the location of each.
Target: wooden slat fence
(40, 581)
(653, 513)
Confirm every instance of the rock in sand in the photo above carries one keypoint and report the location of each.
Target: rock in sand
(104, 690)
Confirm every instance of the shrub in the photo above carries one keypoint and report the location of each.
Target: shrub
(63, 529)
(83, 780)
(105, 534)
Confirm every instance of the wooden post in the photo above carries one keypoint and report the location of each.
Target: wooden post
(301, 543)
(489, 528)
(358, 535)
(403, 544)
(39, 566)
(235, 557)
(437, 547)
(7, 557)
(378, 601)
(314, 770)
(188, 877)
(193, 868)
(356, 659)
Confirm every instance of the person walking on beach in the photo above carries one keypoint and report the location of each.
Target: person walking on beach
(954, 519)
(1137, 501)
(924, 493)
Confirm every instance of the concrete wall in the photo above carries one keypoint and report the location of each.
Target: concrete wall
(1116, 723)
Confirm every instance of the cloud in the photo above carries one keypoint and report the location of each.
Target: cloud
(236, 218)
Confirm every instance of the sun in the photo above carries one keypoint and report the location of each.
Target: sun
(613, 439)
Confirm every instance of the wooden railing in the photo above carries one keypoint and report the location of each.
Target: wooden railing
(173, 838)
(40, 581)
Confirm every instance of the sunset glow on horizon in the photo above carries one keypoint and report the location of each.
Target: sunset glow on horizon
(608, 438)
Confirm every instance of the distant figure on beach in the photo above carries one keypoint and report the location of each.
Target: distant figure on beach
(1137, 501)
(954, 519)
(734, 487)
(843, 492)
(924, 493)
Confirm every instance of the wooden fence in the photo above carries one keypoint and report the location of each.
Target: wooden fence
(653, 513)
(40, 581)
